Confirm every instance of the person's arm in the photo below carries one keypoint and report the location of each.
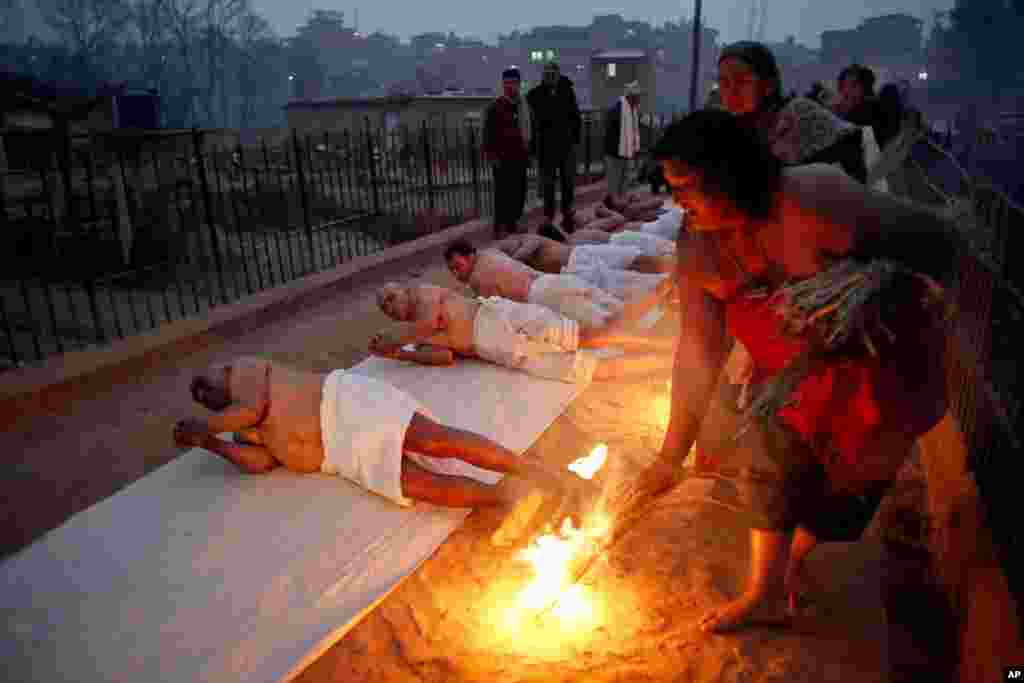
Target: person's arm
(252, 459)
(407, 333)
(236, 417)
(700, 355)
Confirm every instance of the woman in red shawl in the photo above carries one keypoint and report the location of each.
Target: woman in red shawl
(842, 387)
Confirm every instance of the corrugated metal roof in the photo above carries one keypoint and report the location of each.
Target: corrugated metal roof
(621, 54)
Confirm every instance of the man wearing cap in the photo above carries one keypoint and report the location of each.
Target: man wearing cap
(506, 147)
(557, 120)
(621, 143)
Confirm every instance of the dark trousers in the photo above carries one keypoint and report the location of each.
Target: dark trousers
(565, 169)
(509, 193)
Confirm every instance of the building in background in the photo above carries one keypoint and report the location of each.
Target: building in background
(389, 113)
(611, 70)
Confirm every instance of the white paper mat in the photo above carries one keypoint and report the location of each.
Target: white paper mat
(198, 573)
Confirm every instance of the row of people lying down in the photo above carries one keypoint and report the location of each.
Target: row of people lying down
(813, 468)
(382, 439)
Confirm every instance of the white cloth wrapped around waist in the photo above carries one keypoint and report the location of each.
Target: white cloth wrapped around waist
(605, 266)
(667, 226)
(587, 256)
(647, 244)
(363, 422)
(533, 339)
(575, 299)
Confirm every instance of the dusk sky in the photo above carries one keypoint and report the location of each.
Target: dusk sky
(805, 19)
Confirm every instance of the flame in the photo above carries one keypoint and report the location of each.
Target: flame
(588, 466)
(551, 554)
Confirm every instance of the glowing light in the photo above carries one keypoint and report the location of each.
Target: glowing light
(552, 554)
(588, 466)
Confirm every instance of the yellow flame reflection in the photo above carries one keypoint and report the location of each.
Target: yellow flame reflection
(551, 554)
(588, 466)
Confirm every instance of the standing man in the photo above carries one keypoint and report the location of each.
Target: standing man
(556, 114)
(506, 147)
(621, 144)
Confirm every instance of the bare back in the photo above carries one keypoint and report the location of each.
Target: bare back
(290, 429)
(497, 274)
(455, 313)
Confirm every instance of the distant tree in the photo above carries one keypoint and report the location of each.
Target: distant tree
(981, 32)
(90, 29)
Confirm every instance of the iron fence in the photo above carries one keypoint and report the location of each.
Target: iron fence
(983, 367)
(112, 235)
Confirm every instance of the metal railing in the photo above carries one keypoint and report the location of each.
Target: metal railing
(983, 368)
(112, 235)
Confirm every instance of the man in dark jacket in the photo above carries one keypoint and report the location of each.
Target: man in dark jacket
(557, 125)
(506, 146)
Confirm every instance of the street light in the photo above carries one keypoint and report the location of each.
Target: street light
(922, 76)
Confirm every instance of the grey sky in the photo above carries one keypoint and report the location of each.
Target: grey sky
(805, 19)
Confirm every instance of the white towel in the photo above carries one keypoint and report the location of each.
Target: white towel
(648, 244)
(629, 131)
(533, 339)
(574, 298)
(604, 266)
(667, 225)
(586, 256)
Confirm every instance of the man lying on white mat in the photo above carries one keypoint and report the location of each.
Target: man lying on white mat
(491, 273)
(551, 256)
(667, 226)
(441, 324)
(353, 426)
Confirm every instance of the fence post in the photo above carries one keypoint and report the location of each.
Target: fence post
(430, 166)
(373, 167)
(304, 198)
(474, 162)
(204, 183)
(586, 149)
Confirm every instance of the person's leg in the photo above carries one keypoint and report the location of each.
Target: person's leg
(768, 553)
(757, 467)
(609, 224)
(636, 308)
(588, 236)
(435, 440)
(516, 210)
(551, 231)
(633, 366)
(611, 336)
(653, 264)
(501, 195)
(568, 173)
(446, 490)
(795, 582)
(547, 182)
(613, 171)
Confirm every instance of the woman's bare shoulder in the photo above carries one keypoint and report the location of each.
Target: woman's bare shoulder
(699, 264)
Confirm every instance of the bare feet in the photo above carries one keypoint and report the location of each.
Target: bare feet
(190, 433)
(748, 610)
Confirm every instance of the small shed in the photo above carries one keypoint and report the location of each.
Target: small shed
(611, 70)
